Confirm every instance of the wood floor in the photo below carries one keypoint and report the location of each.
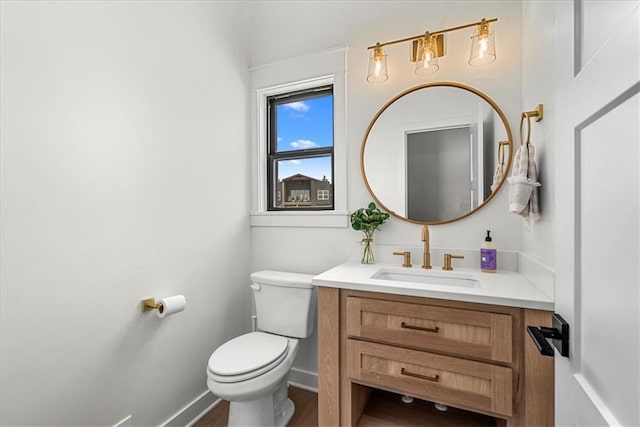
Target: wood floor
(383, 409)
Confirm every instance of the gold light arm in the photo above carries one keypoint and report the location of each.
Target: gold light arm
(434, 33)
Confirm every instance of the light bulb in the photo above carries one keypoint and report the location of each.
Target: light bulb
(428, 56)
(378, 67)
(484, 46)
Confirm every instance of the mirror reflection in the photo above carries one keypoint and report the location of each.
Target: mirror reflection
(433, 154)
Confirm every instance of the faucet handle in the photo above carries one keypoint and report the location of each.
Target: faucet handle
(406, 262)
(447, 261)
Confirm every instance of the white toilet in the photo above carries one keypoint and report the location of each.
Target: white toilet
(251, 371)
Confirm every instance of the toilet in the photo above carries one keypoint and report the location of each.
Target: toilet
(251, 371)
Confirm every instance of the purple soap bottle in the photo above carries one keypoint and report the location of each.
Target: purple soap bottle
(488, 255)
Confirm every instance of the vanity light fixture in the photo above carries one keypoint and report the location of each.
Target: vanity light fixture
(428, 47)
(483, 48)
(378, 72)
(427, 60)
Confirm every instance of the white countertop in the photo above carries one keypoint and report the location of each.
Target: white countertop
(501, 288)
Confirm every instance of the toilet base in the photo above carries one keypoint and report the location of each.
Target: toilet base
(283, 418)
(273, 410)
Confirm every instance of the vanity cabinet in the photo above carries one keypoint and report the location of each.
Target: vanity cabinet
(468, 355)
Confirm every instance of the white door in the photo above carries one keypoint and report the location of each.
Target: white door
(598, 215)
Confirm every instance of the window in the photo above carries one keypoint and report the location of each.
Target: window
(300, 158)
(297, 75)
(323, 194)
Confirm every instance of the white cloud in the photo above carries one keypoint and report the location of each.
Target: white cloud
(299, 106)
(279, 139)
(303, 143)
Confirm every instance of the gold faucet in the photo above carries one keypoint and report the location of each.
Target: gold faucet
(426, 256)
(447, 261)
(407, 258)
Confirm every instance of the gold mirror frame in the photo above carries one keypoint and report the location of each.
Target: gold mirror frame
(473, 90)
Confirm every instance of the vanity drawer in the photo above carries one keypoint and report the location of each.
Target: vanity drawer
(469, 333)
(441, 379)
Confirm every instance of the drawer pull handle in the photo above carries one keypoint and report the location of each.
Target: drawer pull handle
(420, 328)
(422, 377)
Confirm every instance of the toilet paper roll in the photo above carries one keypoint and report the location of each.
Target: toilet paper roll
(171, 305)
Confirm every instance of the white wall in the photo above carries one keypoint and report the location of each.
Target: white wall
(122, 123)
(538, 87)
(317, 25)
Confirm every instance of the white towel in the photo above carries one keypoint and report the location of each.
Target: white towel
(497, 176)
(523, 188)
(499, 172)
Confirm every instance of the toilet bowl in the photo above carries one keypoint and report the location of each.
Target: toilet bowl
(251, 371)
(258, 394)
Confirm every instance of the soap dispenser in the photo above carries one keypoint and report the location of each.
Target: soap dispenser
(488, 255)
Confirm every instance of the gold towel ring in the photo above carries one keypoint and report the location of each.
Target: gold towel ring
(501, 146)
(525, 116)
(537, 113)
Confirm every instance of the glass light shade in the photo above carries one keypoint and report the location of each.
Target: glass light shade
(378, 72)
(427, 58)
(483, 48)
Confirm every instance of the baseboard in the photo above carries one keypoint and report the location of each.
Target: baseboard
(125, 422)
(303, 379)
(192, 412)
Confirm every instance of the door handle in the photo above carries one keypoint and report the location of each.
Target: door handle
(559, 335)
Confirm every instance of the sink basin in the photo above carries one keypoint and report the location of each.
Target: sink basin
(427, 277)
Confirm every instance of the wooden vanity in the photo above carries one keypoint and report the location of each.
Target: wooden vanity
(468, 355)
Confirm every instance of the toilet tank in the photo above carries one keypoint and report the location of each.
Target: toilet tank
(285, 303)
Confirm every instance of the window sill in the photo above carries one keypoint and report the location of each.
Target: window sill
(324, 219)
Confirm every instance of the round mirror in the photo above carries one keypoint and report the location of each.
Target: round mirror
(436, 153)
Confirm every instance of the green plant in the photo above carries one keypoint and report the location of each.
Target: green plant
(368, 219)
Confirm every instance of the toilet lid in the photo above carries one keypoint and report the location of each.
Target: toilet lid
(247, 353)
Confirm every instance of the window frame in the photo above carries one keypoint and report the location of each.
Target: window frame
(297, 73)
(273, 155)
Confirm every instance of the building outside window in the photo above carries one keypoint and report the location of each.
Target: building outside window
(300, 150)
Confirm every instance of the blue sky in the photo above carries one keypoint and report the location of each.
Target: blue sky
(305, 124)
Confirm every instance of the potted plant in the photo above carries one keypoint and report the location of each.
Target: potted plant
(368, 220)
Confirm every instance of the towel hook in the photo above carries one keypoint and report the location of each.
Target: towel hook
(537, 113)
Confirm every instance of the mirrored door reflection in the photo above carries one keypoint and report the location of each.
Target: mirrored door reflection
(439, 176)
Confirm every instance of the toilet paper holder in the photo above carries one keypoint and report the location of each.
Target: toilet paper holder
(150, 304)
(166, 306)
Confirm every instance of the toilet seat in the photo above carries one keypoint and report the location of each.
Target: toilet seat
(246, 357)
